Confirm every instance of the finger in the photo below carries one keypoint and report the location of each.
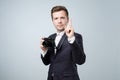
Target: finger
(70, 23)
(42, 47)
(68, 26)
(41, 40)
(68, 29)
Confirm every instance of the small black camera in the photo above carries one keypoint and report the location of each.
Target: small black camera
(48, 42)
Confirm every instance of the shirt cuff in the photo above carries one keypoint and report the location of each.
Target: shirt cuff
(71, 40)
(44, 53)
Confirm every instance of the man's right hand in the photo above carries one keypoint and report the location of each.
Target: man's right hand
(44, 49)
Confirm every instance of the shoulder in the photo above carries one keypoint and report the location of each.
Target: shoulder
(77, 35)
(52, 35)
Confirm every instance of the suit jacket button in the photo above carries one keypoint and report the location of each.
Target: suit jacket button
(52, 74)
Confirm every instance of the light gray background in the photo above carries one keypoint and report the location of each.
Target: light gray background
(24, 22)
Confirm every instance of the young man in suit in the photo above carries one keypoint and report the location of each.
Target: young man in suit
(68, 50)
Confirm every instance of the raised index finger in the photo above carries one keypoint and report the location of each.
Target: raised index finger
(69, 23)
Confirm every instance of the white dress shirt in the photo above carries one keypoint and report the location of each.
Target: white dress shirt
(58, 37)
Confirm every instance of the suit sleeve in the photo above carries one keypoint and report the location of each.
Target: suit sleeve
(46, 58)
(78, 54)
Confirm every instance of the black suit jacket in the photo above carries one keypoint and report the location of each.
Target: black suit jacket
(63, 63)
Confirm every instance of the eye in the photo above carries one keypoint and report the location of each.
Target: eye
(62, 17)
(55, 18)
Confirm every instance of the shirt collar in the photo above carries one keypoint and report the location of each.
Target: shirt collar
(60, 33)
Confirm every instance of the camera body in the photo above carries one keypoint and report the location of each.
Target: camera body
(48, 42)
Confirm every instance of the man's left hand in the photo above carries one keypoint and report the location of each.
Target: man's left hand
(69, 30)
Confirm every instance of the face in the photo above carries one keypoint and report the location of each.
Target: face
(60, 20)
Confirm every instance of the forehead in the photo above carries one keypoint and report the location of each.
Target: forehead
(59, 13)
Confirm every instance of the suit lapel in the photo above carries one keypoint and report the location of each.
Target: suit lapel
(54, 35)
(61, 41)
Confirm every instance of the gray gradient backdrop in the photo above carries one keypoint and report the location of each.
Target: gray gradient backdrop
(24, 22)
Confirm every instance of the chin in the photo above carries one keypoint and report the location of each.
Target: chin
(60, 30)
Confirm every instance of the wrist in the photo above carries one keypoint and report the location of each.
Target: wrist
(71, 39)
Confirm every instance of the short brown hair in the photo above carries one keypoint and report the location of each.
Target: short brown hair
(59, 8)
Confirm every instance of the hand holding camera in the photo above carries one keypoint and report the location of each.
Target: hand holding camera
(41, 46)
(46, 42)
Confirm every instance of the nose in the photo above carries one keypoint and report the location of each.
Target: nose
(59, 20)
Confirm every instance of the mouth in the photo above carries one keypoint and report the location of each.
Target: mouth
(59, 25)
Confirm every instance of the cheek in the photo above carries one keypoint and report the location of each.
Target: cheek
(65, 21)
(54, 22)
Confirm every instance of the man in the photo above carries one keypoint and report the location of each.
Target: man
(68, 50)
